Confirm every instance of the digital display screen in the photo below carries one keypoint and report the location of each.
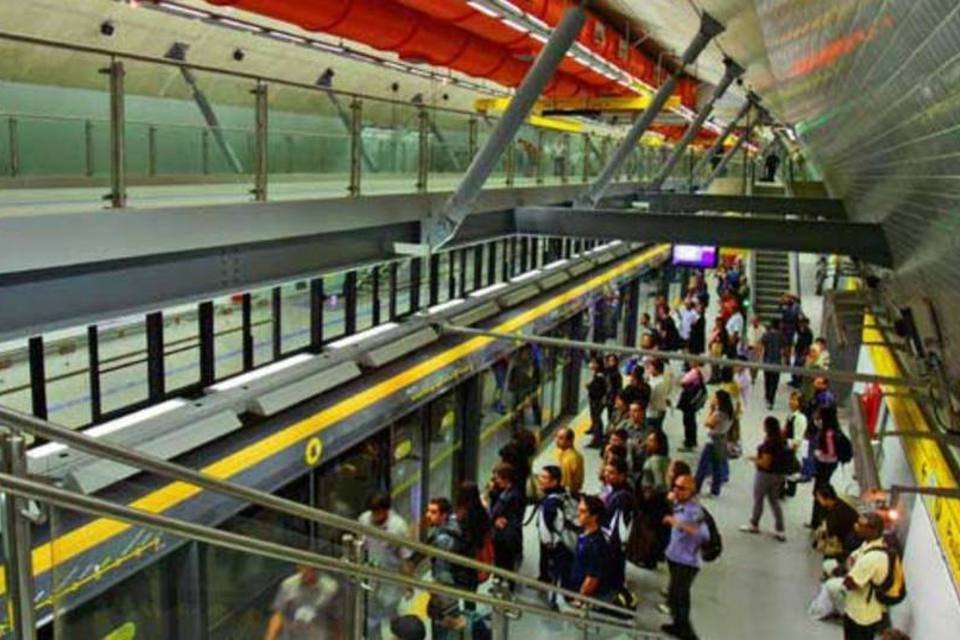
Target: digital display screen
(694, 255)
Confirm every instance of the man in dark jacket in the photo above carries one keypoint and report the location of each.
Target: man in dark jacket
(597, 397)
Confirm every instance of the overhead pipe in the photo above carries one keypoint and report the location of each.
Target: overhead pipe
(752, 99)
(709, 29)
(439, 229)
(732, 72)
(733, 151)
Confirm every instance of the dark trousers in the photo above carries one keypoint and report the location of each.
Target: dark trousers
(771, 380)
(822, 472)
(678, 597)
(596, 421)
(854, 631)
(555, 563)
(711, 464)
(690, 429)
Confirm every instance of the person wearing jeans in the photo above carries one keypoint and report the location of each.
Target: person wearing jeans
(771, 352)
(688, 532)
(719, 420)
(769, 479)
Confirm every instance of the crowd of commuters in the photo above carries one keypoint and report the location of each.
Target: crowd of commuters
(647, 511)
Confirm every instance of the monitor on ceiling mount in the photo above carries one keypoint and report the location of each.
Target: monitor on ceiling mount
(695, 255)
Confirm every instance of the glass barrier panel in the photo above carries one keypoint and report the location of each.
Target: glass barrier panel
(15, 376)
(123, 362)
(176, 154)
(261, 325)
(181, 347)
(334, 309)
(295, 316)
(391, 140)
(67, 367)
(228, 335)
(309, 143)
(365, 300)
(449, 148)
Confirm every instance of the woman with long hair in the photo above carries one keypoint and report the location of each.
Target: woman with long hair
(769, 478)
(825, 458)
(475, 524)
(719, 419)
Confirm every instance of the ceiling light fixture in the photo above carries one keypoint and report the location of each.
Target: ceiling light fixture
(482, 8)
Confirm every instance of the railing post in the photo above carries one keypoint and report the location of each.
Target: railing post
(353, 552)
(152, 150)
(205, 151)
(509, 162)
(423, 152)
(118, 160)
(499, 620)
(261, 141)
(88, 169)
(356, 147)
(541, 139)
(14, 143)
(17, 543)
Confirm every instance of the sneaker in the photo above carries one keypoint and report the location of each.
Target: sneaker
(779, 535)
(749, 528)
(664, 609)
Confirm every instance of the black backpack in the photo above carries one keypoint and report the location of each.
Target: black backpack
(843, 446)
(712, 548)
(893, 589)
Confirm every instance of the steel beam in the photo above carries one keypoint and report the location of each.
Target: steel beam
(732, 72)
(440, 228)
(865, 241)
(827, 208)
(709, 28)
(261, 142)
(722, 138)
(732, 153)
(118, 157)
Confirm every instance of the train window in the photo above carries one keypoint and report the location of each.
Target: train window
(496, 426)
(181, 347)
(345, 485)
(66, 369)
(261, 326)
(334, 307)
(294, 316)
(123, 363)
(365, 299)
(406, 460)
(228, 336)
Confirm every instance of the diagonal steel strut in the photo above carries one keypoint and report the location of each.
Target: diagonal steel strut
(440, 228)
(733, 152)
(709, 29)
(732, 72)
(718, 143)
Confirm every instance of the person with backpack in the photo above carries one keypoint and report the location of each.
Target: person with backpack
(693, 396)
(873, 581)
(557, 529)
(444, 533)
(689, 533)
(770, 462)
(618, 514)
(507, 506)
(592, 574)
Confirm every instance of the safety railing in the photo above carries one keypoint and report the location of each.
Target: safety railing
(271, 137)
(21, 423)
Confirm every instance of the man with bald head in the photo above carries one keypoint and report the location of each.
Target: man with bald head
(571, 461)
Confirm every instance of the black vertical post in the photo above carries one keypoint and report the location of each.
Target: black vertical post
(205, 332)
(434, 279)
(513, 255)
(633, 312)
(505, 261)
(277, 322)
(38, 378)
(472, 422)
(535, 252)
(392, 307)
(477, 267)
(316, 314)
(350, 303)
(491, 262)
(463, 272)
(416, 269)
(375, 296)
(247, 331)
(93, 370)
(571, 386)
(451, 274)
(155, 386)
(524, 254)
(567, 244)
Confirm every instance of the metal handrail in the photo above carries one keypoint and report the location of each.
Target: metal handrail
(73, 501)
(146, 462)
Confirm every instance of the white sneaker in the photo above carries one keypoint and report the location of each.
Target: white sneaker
(749, 528)
(779, 535)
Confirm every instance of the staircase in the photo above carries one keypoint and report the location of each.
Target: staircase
(772, 281)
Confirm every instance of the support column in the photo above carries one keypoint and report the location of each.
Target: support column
(709, 28)
(261, 141)
(118, 161)
(440, 228)
(14, 146)
(423, 152)
(357, 154)
(722, 138)
(541, 141)
(473, 137)
(733, 152)
(565, 175)
(732, 72)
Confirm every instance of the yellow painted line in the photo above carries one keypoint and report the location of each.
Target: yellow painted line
(82, 539)
(926, 458)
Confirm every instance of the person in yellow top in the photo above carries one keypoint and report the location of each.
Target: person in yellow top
(571, 461)
(863, 612)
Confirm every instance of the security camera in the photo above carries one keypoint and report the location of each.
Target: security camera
(107, 28)
(239, 55)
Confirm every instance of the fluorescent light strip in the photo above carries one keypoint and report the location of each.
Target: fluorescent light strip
(363, 335)
(526, 276)
(490, 289)
(482, 8)
(516, 26)
(443, 306)
(538, 22)
(537, 36)
(509, 7)
(323, 46)
(184, 11)
(286, 37)
(243, 26)
(112, 426)
(256, 374)
(555, 264)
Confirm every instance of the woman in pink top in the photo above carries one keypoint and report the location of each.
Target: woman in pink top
(825, 455)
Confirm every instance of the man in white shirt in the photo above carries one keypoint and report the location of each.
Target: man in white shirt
(659, 394)
(864, 613)
(688, 317)
(382, 602)
(734, 328)
(754, 333)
